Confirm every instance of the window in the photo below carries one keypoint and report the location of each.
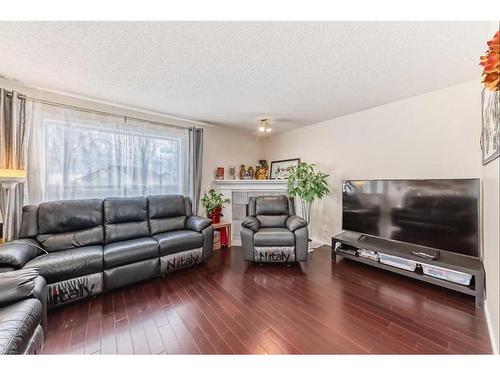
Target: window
(89, 156)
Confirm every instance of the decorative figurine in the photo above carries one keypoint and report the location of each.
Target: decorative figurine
(251, 173)
(262, 170)
(242, 171)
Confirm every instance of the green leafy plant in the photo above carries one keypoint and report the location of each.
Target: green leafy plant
(213, 201)
(308, 185)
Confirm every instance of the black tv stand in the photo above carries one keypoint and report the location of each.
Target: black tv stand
(449, 260)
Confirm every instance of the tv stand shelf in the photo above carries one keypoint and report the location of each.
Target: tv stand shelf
(446, 260)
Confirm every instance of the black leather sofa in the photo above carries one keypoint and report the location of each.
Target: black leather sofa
(23, 312)
(85, 247)
(272, 232)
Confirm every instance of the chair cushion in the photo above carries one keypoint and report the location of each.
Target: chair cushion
(68, 264)
(178, 240)
(272, 221)
(125, 219)
(271, 205)
(18, 323)
(274, 237)
(131, 251)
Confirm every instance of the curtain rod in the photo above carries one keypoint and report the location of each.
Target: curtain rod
(81, 109)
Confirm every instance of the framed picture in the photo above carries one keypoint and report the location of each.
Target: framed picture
(490, 132)
(279, 168)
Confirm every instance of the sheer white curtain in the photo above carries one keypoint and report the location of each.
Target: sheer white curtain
(76, 154)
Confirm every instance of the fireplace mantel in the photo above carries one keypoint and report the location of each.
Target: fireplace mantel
(250, 185)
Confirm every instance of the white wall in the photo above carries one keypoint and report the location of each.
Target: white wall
(223, 146)
(490, 174)
(491, 245)
(435, 135)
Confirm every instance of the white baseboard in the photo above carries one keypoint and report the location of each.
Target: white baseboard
(493, 338)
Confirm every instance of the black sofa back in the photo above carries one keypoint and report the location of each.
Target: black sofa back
(167, 213)
(62, 225)
(125, 219)
(65, 225)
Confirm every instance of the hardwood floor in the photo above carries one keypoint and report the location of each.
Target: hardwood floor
(227, 306)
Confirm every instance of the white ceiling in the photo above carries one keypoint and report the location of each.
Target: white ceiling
(233, 73)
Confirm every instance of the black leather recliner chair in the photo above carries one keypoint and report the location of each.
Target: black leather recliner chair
(23, 312)
(84, 247)
(272, 232)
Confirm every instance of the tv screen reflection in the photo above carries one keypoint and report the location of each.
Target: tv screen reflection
(441, 214)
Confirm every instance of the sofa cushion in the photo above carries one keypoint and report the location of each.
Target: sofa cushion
(68, 264)
(166, 213)
(125, 252)
(71, 240)
(125, 219)
(274, 237)
(18, 323)
(161, 206)
(67, 216)
(178, 240)
(68, 224)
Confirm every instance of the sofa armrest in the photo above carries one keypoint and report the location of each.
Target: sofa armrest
(295, 222)
(17, 285)
(301, 244)
(17, 253)
(197, 223)
(40, 291)
(247, 242)
(251, 223)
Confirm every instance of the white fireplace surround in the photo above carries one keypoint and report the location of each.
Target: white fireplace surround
(244, 188)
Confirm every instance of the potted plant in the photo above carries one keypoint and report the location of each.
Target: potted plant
(213, 202)
(308, 185)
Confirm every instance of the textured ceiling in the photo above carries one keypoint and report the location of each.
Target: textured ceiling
(233, 73)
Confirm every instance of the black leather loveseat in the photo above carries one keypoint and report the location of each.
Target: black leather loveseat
(84, 247)
(23, 312)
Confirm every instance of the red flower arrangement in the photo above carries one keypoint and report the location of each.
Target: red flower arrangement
(491, 64)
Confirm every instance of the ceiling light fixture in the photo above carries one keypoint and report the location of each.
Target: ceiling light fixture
(264, 126)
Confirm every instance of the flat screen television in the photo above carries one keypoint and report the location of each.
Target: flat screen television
(440, 214)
